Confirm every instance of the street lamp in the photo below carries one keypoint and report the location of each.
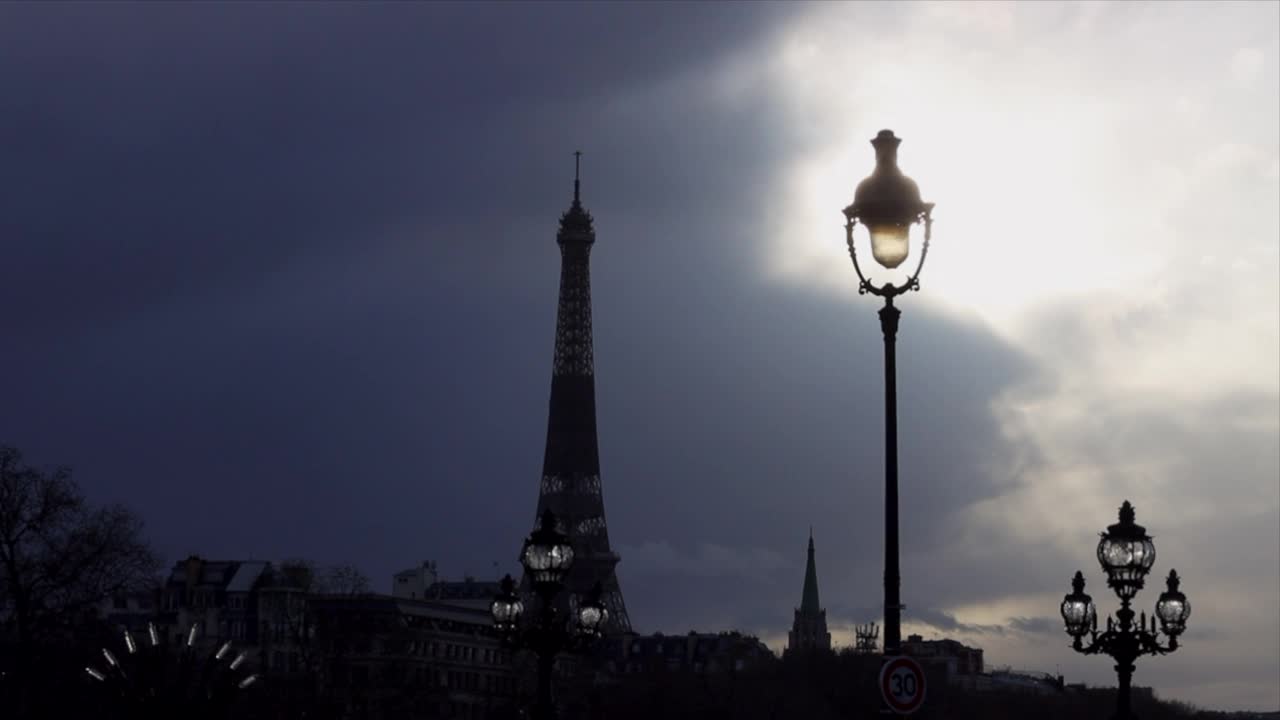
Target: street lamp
(547, 557)
(865, 638)
(888, 203)
(1126, 553)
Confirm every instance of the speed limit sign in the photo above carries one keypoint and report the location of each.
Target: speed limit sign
(902, 685)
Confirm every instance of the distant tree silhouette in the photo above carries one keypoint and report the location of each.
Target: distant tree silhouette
(59, 558)
(343, 580)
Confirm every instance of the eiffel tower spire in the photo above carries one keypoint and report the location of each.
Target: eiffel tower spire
(571, 464)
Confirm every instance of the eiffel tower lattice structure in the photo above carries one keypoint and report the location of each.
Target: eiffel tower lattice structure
(570, 485)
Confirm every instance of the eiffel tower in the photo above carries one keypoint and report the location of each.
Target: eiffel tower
(571, 465)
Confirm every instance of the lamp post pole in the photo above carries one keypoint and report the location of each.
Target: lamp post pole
(545, 644)
(892, 580)
(888, 203)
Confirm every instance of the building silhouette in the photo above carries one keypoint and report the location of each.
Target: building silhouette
(959, 662)
(424, 583)
(697, 653)
(390, 657)
(570, 485)
(809, 630)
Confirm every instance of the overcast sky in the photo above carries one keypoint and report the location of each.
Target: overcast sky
(282, 279)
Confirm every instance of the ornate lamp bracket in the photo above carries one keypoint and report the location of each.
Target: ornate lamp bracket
(888, 290)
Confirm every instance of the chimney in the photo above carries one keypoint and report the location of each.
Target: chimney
(194, 564)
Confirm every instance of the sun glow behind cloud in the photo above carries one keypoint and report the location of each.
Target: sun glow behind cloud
(1057, 184)
(1014, 157)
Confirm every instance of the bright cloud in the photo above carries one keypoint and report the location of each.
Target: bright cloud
(1111, 211)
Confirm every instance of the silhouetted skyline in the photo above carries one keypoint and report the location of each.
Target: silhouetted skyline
(282, 278)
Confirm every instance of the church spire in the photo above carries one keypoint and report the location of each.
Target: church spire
(809, 600)
(809, 632)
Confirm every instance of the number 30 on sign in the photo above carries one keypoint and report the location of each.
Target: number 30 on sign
(902, 685)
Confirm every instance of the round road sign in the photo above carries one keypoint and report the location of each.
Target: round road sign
(902, 685)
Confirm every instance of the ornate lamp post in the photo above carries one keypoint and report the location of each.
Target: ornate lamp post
(865, 638)
(888, 203)
(1126, 553)
(547, 557)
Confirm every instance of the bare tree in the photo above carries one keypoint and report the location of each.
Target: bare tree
(344, 580)
(289, 615)
(59, 557)
(300, 579)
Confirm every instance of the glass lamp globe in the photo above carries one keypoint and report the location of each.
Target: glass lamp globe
(1172, 608)
(888, 203)
(592, 614)
(1078, 611)
(507, 608)
(890, 243)
(547, 554)
(1126, 553)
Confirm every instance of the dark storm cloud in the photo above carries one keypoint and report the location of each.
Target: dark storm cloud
(284, 277)
(781, 427)
(948, 623)
(193, 148)
(267, 255)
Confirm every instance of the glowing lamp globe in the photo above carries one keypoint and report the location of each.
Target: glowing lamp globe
(547, 554)
(507, 608)
(1126, 553)
(1078, 611)
(592, 613)
(1173, 608)
(888, 203)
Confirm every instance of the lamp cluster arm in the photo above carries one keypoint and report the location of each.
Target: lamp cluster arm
(1126, 641)
(547, 557)
(547, 633)
(889, 290)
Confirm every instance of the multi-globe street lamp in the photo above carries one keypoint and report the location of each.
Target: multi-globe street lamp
(865, 638)
(547, 556)
(1126, 554)
(888, 203)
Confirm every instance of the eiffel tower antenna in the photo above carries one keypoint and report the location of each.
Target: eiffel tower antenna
(577, 159)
